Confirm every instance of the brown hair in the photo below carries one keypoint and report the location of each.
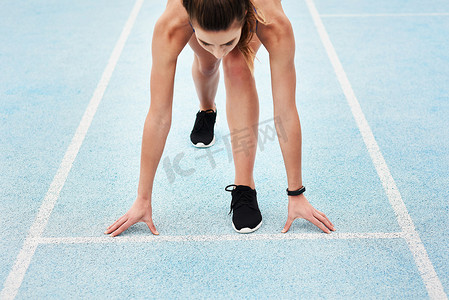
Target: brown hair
(216, 15)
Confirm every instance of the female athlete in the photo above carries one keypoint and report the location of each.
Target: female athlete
(227, 32)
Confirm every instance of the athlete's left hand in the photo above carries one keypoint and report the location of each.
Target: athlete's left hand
(299, 207)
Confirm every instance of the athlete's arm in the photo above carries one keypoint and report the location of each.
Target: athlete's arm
(169, 38)
(278, 39)
(165, 50)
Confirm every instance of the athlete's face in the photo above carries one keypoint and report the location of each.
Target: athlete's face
(219, 43)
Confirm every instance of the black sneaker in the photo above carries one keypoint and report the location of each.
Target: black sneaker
(246, 217)
(202, 134)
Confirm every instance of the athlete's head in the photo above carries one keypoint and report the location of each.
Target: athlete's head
(221, 25)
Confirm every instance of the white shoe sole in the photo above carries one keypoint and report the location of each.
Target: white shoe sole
(247, 229)
(201, 145)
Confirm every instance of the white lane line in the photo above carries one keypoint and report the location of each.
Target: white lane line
(425, 267)
(17, 273)
(383, 15)
(219, 238)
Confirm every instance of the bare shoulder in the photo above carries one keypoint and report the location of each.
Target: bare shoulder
(277, 27)
(172, 29)
(269, 8)
(175, 15)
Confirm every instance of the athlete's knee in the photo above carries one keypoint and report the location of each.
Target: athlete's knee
(208, 68)
(235, 67)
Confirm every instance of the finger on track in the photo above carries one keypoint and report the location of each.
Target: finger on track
(288, 224)
(320, 225)
(321, 213)
(325, 221)
(117, 224)
(116, 221)
(152, 228)
(122, 228)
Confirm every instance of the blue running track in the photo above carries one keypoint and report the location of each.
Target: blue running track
(373, 98)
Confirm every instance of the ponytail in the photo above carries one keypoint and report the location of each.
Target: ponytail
(248, 30)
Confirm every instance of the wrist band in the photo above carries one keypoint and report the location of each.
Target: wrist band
(297, 192)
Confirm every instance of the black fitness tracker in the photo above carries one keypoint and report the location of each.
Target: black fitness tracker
(297, 192)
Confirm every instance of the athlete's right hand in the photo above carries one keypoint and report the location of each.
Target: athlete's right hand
(139, 212)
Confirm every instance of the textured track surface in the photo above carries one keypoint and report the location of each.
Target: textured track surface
(377, 166)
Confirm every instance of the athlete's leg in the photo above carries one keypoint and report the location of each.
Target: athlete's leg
(205, 72)
(242, 110)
